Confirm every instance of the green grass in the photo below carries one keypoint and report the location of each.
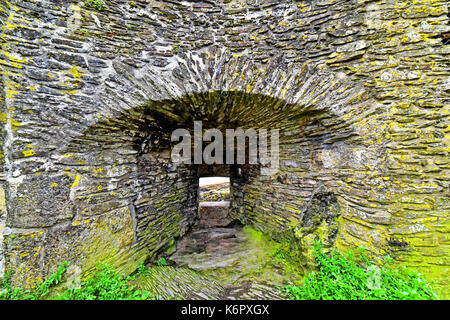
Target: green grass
(354, 277)
(104, 284)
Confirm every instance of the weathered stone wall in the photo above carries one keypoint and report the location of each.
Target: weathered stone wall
(359, 89)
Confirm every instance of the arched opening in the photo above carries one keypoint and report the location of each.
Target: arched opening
(129, 202)
(161, 196)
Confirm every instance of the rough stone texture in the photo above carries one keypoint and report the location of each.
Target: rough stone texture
(359, 89)
(214, 214)
(180, 283)
(240, 258)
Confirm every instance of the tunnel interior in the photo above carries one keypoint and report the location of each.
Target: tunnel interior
(184, 196)
(224, 110)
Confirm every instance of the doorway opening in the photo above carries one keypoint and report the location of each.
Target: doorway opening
(214, 201)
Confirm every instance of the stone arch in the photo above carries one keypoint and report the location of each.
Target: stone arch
(101, 163)
(103, 177)
(126, 151)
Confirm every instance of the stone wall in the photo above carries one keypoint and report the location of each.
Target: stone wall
(359, 90)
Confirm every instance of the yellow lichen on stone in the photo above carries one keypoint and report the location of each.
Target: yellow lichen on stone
(29, 153)
(76, 181)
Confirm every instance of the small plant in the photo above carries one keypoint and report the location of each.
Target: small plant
(350, 277)
(142, 269)
(162, 262)
(97, 4)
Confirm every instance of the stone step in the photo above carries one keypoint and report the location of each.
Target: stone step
(214, 214)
